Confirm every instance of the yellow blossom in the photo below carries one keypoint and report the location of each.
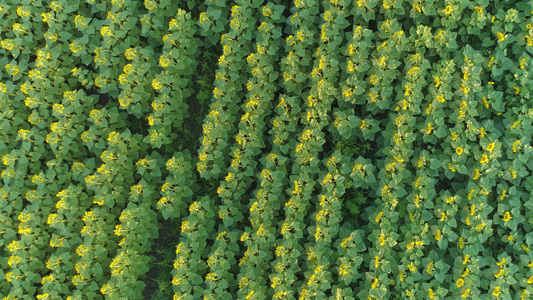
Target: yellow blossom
(500, 273)
(105, 31)
(58, 108)
(501, 262)
(8, 44)
(411, 267)
(438, 235)
(465, 294)
(18, 28)
(150, 4)
(513, 173)
(156, 84)
(460, 282)
(74, 47)
(375, 283)
(491, 62)
(185, 227)
(343, 269)
(480, 226)
(13, 260)
(515, 124)
(516, 144)
(482, 132)
(51, 36)
(381, 239)
(464, 88)
(476, 175)
(466, 272)
(523, 61)
(137, 189)
(319, 233)
(429, 268)
(47, 279)
(204, 18)
(507, 216)
(452, 168)
(77, 279)
(130, 53)
(12, 69)
(163, 201)
(80, 21)
(100, 82)
(21, 12)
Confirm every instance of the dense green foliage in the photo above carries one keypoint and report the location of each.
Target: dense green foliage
(258, 149)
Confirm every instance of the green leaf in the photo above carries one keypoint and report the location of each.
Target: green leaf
(426, 215)
(435, 164)
(440, 277)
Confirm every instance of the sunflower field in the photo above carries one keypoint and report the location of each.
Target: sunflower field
(266, 149)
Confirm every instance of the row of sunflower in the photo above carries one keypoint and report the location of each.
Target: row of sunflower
(303, 146)
(322, 267)
(234, 191)
(217, 261)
